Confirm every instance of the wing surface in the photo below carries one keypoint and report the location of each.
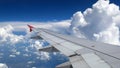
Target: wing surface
(83, 53)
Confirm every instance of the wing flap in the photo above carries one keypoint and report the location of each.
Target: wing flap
(48, 49)
(64, 65)
(114, 63)
(78, 62)
(94, 61)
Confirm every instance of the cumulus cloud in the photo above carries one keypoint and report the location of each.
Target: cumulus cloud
(3, 65)
(30, 62)
(34, 67)
(101, 22)
(42, 55)
(26, 55)
(78, 20)
(38, 44)
(7, 37)
(109, 35)
(12, 56)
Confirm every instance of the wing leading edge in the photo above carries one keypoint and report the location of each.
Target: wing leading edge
(82, 53)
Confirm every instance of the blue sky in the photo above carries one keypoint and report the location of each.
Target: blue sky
(42, 10)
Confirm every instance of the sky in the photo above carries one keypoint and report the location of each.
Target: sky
(42, 10)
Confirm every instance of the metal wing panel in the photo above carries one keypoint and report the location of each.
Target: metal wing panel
(54, 39)
(51, 37)
(67, 48)
(114, 63)
(64, 50)
(56, 42)
(62, 45)
(78, 62)
(94, 61)
(71, 47)
(111, 50)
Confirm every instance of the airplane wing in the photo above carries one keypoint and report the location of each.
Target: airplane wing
(82, 53)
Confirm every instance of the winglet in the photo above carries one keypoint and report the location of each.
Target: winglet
(30, 27)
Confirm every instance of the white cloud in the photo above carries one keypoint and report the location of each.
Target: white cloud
(101, 22)
(34, 67)
(110, 35)
(17, 53)
(12, 56)
(38, 45)
(26, 55)
(44, 56)
(7, 37)
(1, 54)
(22, 26)
(3, 65)
(30, 62)
(78, 20)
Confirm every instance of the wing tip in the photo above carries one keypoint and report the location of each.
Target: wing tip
(30, 27)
